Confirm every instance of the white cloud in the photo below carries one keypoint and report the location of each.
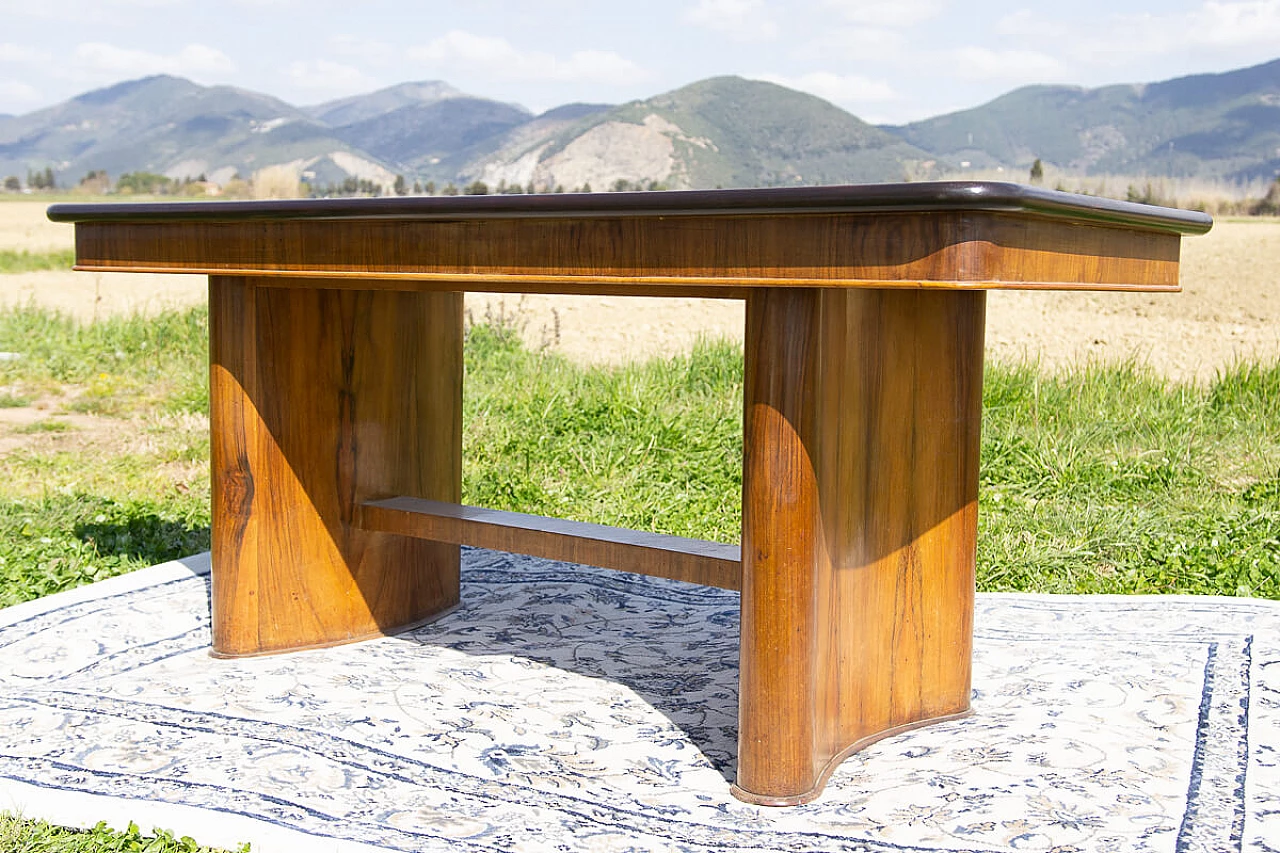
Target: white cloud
(497, 58)
(740, 20)
(981, 63)
(73, 8)
(1025, 22)
(10, 52)
(462, 46)
(371, 51)
(331, 78)
(1219, 24)
(192, 60)
(14, 92)
(1124, 38)
(863, 44)
(1235, 24)
(847, 90)
(889, 13)
(69, 11)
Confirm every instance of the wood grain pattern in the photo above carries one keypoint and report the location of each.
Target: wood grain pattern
(322, 399)
(863, 416)
(653, 256)
(653, 554)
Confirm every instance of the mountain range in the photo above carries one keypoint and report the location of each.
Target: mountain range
(725, 131)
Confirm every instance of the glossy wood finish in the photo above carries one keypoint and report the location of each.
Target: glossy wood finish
(862, 433)
(668, 255)
(322, 399)
(654, 554)
(706, 243)
(336, 337)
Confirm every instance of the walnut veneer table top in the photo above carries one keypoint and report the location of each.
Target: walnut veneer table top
(712, 243)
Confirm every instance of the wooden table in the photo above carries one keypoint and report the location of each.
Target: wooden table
(336, 385)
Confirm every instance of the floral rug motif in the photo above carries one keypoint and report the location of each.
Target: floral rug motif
(564, 708)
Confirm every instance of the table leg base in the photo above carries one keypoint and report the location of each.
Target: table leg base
(860, 507)
(857, 746)
(346, 641)
(321, 399)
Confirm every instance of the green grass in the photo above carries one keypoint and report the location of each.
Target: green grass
(1102, 480)
(654, 446)
(45, 425)
(13, 401)
(25, 836)
(1097, 480)
(59, 541)
(24, 261)
(90, 507)
(117, 365)
(1111, 480)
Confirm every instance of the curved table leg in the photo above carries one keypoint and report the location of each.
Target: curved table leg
(321, 399)
(862, 430)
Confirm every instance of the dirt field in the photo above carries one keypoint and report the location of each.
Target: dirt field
(1229, 308)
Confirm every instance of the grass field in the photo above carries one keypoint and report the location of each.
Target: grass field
(24, 261)
(1105, 479)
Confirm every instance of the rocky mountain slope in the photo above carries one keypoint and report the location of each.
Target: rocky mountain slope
(171, 126)
(725, 131)
(722, 132)
(358, 108)
(1207, 125)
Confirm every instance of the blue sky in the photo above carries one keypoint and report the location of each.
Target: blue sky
(883, 60)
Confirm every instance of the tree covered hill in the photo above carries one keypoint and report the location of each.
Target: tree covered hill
(724, 131)
(1207, 125)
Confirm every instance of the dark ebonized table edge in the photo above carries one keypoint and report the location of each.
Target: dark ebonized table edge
(977, 196)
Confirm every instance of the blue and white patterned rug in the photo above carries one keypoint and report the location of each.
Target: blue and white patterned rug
(565, 708)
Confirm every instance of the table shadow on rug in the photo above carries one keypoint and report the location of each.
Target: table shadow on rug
(673, 645)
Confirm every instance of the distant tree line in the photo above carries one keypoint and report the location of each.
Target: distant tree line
(98, 182)
(36, 180)
(149, 183)
(348, 188)
(42, 180)
(363, 187)
(1270, 204)
(621, 185)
